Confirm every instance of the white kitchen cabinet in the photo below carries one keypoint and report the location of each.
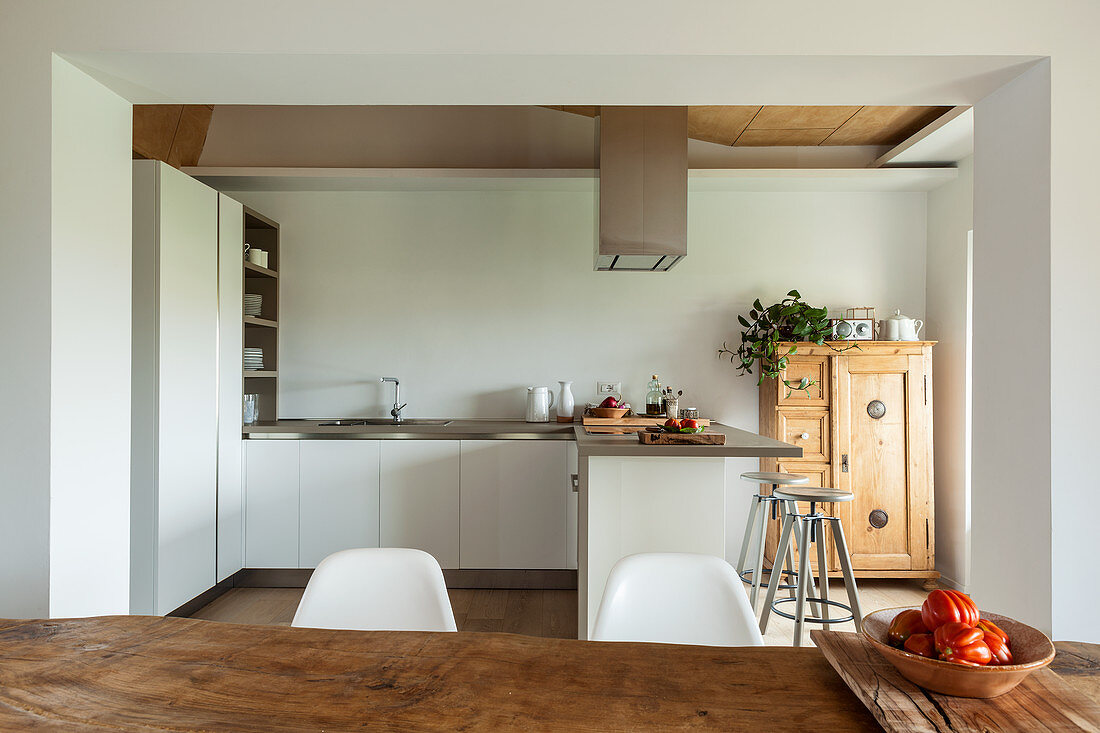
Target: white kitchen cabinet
(174, 376)
(514, 507)
(271, 503)
(419, 497)
(230, 387)
(338, 497)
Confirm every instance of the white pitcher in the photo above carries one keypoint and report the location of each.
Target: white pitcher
(565, 402)
(900, 328)
(539, 402)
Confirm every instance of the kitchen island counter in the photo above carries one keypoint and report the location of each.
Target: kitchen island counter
(739, 444)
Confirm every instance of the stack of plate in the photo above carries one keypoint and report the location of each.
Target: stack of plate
(253, 303)
(253, 358)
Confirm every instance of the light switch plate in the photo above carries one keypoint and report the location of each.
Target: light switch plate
(603, 389)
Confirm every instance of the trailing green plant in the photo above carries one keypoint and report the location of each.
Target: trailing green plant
(766, 329)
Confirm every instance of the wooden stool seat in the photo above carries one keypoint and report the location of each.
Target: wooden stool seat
(818, 494)
(776, 479)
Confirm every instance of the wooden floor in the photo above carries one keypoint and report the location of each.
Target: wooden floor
(551, 613)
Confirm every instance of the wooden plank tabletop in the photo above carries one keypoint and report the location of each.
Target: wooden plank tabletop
(146, 673)
(1043, 701)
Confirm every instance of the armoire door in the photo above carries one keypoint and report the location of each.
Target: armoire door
(883, 418)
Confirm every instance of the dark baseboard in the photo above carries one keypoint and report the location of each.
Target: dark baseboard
(273, 577)
(298, 577)
(515, 579)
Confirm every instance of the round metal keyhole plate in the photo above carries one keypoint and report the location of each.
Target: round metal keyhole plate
(878, 518)
(876, 409)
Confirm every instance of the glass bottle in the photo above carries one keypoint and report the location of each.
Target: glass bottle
(653, 401)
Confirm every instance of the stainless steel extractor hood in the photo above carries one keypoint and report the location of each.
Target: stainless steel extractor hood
(643, 188)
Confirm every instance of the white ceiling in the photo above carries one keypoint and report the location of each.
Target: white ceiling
(314, 78)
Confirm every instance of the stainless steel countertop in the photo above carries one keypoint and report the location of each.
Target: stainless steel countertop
(455, 430)
(739, 443)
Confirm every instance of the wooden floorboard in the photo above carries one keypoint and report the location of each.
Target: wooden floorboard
(550, 613)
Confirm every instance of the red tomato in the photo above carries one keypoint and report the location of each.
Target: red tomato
(961, 643)
(991, 628)
(689, 423)
(948, 606)
(922, 645)
(672, 423)
(998, 648)
(904, 625)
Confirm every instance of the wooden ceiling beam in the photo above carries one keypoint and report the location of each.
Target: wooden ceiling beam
(173, 133)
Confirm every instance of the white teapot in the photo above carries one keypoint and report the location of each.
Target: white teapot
(900, 328)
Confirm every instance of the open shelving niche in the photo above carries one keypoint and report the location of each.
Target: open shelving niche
(263, 331)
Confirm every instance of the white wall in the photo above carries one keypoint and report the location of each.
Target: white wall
(470, 296)
(90, 336)
(950, 220)
(1012, 470)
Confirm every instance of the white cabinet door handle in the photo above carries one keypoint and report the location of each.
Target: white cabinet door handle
(805, 436)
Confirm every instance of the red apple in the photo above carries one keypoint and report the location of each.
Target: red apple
(610, 402)
(673, 423)
(689, 423)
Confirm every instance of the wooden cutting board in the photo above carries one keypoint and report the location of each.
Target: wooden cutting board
(1043, 701)
(681, 438)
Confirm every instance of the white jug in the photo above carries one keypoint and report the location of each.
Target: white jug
(900, 328)
(539, 402)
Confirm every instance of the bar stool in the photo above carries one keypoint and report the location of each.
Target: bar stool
(809, 528)
(759, 507)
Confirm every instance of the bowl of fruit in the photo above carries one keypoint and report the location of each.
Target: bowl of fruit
(611, 407)
(687, 425)
(948, 646)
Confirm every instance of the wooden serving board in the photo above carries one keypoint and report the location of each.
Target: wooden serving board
(681, 438)
(635, 421)
(1043, 701)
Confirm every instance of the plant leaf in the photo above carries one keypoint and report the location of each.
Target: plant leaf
(742, 321)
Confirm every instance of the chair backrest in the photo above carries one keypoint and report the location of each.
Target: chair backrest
(376, 589)
(676, 598)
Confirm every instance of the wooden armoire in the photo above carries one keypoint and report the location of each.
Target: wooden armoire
(865, 426)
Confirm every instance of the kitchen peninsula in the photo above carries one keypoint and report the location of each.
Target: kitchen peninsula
(486, 494)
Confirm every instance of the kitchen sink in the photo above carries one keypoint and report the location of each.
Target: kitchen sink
(405, 421)
(382, 421)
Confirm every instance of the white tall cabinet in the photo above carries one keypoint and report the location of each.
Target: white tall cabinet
(175, 388)
(230, 386)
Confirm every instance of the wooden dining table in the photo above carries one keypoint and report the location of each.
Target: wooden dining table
(141, 673)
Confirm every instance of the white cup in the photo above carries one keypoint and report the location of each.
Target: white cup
(257, 256)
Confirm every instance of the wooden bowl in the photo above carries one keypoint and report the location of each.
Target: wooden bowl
(615, 412)
(1031, 650)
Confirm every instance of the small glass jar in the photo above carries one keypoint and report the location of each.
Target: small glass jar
(672, 407)
(690, 413)
(251, 413)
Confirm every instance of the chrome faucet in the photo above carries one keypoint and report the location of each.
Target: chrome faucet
(397, 406)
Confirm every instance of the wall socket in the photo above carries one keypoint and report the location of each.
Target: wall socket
(603, 389)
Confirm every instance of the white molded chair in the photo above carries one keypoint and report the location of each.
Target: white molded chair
(377, 589)
(676, 598)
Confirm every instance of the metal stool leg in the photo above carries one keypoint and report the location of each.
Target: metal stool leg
(759, 571)
(846, 568)
(773, 583)
(803, 579)
(822, 568)
(792, 507)
(754, 507)
(783, 511)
